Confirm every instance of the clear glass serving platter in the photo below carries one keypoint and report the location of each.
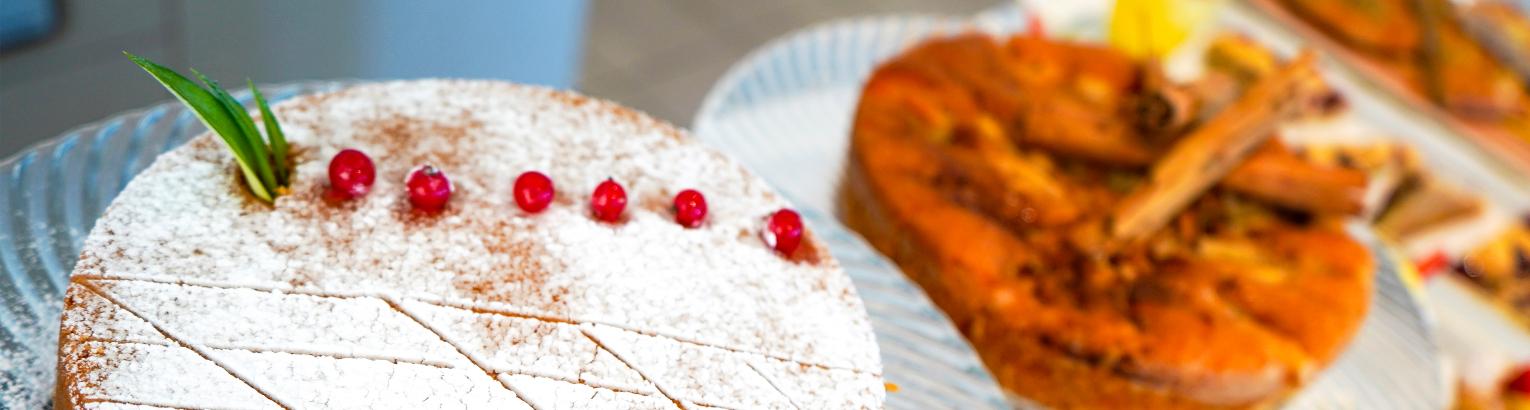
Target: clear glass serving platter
(785, 112)
(50, 197)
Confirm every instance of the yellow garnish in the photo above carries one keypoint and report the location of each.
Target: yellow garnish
(1153, 28)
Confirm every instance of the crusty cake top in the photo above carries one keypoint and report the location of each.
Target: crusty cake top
(190, 293)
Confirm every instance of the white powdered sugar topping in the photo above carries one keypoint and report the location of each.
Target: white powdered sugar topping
(191, 293)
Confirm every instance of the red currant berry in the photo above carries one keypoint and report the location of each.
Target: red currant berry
(533, 191)
(690, 208)
(783, 231)
(608, 201)
(1432, 264)
(1520, 383)
(428, 188)
(351, 173)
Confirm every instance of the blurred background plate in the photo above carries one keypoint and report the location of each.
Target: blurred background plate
(50, 197)
(785, 112)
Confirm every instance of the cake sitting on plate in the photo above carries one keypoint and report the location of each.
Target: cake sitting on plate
(456, 244)
(1102, 243)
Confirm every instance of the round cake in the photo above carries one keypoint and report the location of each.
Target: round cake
(987, 170)
(192, 293)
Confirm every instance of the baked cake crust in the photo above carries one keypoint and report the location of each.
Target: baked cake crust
(1228, 322)
(191, 294)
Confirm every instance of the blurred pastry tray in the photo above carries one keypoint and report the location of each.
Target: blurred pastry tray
(1470, 326)
(1511, 150)
(1488, 162)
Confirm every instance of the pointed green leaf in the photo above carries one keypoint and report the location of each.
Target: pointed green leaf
(253, 181)
(201, 102)
(274, 133)
(256, 158)
(212, 113)
(260, 156)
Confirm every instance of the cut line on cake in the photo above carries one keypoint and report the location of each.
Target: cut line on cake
(145, 403)
(163, 331)
(579, 382)
(396, 304)
(645, 332)
(474, 359)
(301, 352)
(442, 302)
(619, 357)
(773, 385)
(498, 371)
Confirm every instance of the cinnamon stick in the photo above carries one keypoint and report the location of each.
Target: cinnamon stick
(1163, 108)
(1276, 175)
(1210, 151)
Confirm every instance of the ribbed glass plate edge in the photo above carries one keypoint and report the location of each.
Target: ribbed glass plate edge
(50, 196)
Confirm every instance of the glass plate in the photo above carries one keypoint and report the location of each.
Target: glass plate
(50, 197)
(785, 111)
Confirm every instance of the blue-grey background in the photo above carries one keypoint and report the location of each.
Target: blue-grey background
(77, 74)
(60, 61)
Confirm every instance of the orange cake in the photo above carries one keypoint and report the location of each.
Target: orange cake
(193, 293)
(1096, 251)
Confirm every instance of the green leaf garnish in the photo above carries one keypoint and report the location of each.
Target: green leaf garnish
(264, 167)
(259, 152)
(274, 132)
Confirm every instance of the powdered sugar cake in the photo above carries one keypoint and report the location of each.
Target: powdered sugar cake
(191, 294)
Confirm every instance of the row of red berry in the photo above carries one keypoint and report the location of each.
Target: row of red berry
(351, 174)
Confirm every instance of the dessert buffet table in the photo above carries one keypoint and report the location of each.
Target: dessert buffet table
(785, 111)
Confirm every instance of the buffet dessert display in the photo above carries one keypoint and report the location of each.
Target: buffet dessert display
(1470, 61)
(454, 244)
(1481, 254)
(1105, 237)
(1501, 269)
(1103, 233)
(1456, 238)
(1510, 392)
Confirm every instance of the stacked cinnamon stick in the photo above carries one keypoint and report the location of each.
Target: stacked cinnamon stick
(1220, 149)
